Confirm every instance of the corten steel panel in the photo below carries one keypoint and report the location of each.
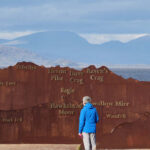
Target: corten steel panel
(42, 105)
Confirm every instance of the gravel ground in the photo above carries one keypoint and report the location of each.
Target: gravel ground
(46, 147)
(38, 147)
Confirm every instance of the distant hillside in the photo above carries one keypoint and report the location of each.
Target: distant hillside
(58, 45)
(3, 41)
(69, 46)
(11, 55)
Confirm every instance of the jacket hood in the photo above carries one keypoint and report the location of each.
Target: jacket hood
(89, 106)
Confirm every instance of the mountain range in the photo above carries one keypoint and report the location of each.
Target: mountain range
(51, 46)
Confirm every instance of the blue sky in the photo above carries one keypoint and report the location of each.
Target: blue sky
(97, 21)
(79, 16)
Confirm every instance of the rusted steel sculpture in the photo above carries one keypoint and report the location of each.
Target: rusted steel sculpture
(42, 105)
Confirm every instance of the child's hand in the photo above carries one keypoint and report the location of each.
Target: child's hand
(80, 134)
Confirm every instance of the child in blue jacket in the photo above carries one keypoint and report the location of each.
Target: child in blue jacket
(87, 123)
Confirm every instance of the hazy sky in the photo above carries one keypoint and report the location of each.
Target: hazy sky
(80, 16)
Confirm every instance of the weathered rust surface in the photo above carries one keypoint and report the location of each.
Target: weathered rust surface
(42, 105)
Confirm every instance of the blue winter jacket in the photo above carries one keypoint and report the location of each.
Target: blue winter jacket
(88, 119)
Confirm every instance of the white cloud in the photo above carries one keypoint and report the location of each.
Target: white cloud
(102, 38)
(71, 10)
(76, 15)
(12, 35)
